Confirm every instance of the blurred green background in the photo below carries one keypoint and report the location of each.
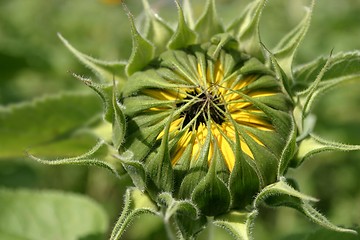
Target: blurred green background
(33, 63)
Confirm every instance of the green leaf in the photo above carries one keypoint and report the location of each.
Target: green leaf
(310, 99)
(107, 71)
(73, 145)
(280, 74)
(34, 215)
(188, 13)
(328, 73)
(238, 224)
(142, 51)
(307, 97)
(44, 120)
(246, 29)
(209, 24)
(277, 189)
(285, 51)
(184, 35)
(105, 92)
(136, 204)
(88, 158)
(313, 145)
(158, 31)
(342, 65)
(318, 218)
(282, 194)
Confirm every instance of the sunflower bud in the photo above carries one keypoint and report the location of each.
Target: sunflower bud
(209, 122)
(206, 120)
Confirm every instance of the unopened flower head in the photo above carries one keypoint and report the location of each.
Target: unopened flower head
(217, 105)
(206, 120)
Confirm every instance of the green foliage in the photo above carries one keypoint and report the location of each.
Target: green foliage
(183, 35)
(32, 215)
(46, 120)
(142, 50)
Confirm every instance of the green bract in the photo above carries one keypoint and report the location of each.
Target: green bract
(206, 120)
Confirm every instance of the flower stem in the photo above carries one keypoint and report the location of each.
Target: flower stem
(170, 231)
(210, 228)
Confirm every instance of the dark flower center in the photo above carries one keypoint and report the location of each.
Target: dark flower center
(205, 105)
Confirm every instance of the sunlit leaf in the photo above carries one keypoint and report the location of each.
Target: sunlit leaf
(183, 35)
(46, 119)
(246, 28)
(88, 158)
(342, 65)
(281, 194)
(142, 51)
(209, 24)
(157, 30)
(34, 215)
(313, 145)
